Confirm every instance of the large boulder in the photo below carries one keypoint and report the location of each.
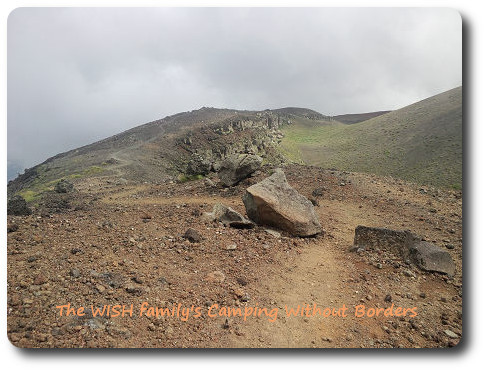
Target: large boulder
(431, 258)
(238, 167)
(229, 217)
(18, 206)
(275, 203)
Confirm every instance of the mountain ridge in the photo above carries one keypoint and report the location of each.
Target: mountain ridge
(160, 150)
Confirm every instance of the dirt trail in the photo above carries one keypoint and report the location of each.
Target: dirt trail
(318, 277)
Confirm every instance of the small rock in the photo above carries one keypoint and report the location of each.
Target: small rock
(408, 273)
(238, 292)
(450, 246)
(451, 334)
(100, 288)
(40, 279)
(145, 216)
(242, 281)
(134, 290)
(225, 326)
(273, 233)
(388, 298)
(215, 276)
(192, 235)
(317, 192)
(231, 247)
(75, 273)
(137, 279)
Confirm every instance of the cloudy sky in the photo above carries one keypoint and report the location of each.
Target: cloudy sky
(77, 75)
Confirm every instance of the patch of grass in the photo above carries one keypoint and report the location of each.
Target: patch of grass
(28, 195)
(46, 182)
(182, 178)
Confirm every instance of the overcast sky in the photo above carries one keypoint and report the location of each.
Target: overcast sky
(77, 75)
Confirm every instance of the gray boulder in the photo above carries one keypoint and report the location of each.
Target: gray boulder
(18, 206)
(432, 258)
(229, 217)
(198, 165)
(397, 242)
(407, 246)
(64, 186)
(275, 203)
(238, 167)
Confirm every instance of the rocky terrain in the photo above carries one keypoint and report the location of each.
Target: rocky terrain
(112, 240)
(202, 230)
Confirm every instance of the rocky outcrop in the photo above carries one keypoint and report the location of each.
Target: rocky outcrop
(406, 245)
(198, 165)
(18, 206)
(64, 186)
(238, 167)
(228, 217)
(275, 203)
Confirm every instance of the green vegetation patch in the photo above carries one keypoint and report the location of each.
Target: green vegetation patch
(182, 178)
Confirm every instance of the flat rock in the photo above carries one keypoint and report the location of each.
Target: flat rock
(406, 245)
(273, 202)
(398, 242)
(229, 217)
(451, 334)
(432, 258)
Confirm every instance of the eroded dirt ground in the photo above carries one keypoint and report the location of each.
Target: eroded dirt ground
(123, 244)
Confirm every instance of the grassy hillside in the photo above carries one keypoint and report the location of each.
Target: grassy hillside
(354, 118)
(421, 142)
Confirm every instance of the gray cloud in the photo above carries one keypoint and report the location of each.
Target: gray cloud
(76, 75)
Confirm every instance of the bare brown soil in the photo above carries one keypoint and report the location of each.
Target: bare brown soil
(124, 244)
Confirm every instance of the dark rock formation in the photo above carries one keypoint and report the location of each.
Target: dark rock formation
(18, 206)
(238, 167)
(64, 186)
(198, 165)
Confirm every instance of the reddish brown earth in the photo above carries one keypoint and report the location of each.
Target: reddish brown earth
(124, 244)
